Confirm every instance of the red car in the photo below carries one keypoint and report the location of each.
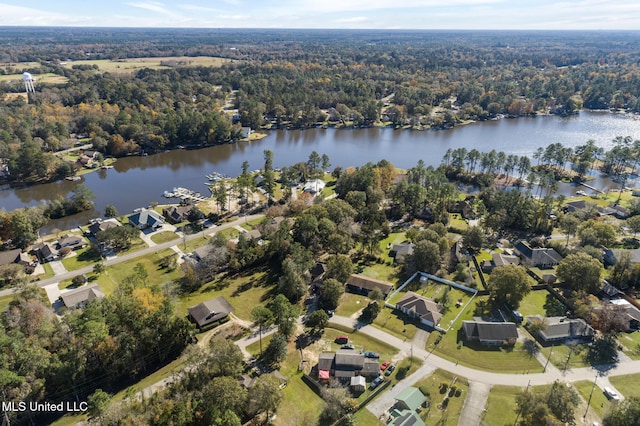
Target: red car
(384, 365)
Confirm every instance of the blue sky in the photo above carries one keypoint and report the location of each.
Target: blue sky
(381, 14)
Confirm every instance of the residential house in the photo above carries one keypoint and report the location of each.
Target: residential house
(14, 256)
(410, 398)
(209, 312)
(611, 257)
(246, 132)
(346, 363)
(630, 314)
(176, 214)
(358, 384)
(541, 257)
(202, 252)
(99, 225)
(405, 418)
(81, 296)
(314, 186)
(145, 218)
(422, 308)
(360, 284)
(74, 241)
(499, 259)
(614, 210)
(317, 274)
(574, 206)
(559, 329)
(490, 333)
(400, 251)
(45, 252)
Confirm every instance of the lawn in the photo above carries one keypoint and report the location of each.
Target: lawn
(501, 406)
(457, 223)
(113, 275)
(131, 65)
(48, 272)
(435, 414)
(409, 365)
(351, 303)
(533, 303)
(561, 353)
(359, 341)
(380, 271)
(474, 355)
(83, 257)
(599, 403)
(163, 237)
(243, 292)
(396, 323)
(631, 344)
(194, 244)
(4, 302)
(49, 78)
(364, 417)
(627, 385)
(386, 244)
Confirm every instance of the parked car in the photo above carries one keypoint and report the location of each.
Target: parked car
(611, 394)
(371, 355)
(330, 313)
(389, 370)
(376, 382)
(384, 365)
(347, 346)
(341, 340)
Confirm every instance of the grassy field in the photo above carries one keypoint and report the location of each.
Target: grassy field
(243, 292)
(380, 271)
(386, 244)
(364, 417)
(396, 323)
(456, 222)
(560, 354)
(4, 302)
(533, 303)
(47, 78)
(631, 344)
(474, 355)
(351, 303)
(163, 237)
(627, 385)
(435, 414)
(599, 403)
(501, 406)
(131, 65)
(83, 257)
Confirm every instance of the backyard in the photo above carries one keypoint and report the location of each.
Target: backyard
(437, 413)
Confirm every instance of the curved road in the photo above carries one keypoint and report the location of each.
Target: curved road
(138, 253)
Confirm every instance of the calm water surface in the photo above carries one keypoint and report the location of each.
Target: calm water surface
(137, 181)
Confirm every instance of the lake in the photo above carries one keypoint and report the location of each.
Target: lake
(137, 181)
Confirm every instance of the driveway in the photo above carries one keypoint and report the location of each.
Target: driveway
(474, 404)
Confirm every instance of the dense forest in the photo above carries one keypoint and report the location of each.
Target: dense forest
(293, 79)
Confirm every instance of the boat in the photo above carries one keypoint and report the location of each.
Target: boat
(582, 193)
(215, 176)
(73, 178)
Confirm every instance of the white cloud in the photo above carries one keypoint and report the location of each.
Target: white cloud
(355, 20)
(20, 15)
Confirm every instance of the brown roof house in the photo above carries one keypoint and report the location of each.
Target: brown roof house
(73, 241)
(363, 285)
(176, 214)
(79, 297)
(99, 225)
(210, 312)
(416, 306)
(490, 333)
(14, 256)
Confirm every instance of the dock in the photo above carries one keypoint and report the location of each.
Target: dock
(591, 188)
(184, 194)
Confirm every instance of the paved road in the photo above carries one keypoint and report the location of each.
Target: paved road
(136, 254)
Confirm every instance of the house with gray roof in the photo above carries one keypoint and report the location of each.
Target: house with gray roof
(419, 307)
(99, 225)
(209, 312)
(405, 418)
(490, 333)
(79, 297)
(73, 241)
(45, 252)
(559, 329)
(360, 284)
(145, 218)
(14, 256)
(176, 214)
(346, 363)
(400, 251)
(541, 257)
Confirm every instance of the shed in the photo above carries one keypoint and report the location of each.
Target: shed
(358, 383)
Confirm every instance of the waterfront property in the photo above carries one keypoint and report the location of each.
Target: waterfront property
(99, 225)
(14, 256)
(541, 257)
(145, 218)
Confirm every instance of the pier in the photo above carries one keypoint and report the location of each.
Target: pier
(184, 194)
(592, 188)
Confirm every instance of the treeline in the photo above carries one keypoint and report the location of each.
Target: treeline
(110, 343)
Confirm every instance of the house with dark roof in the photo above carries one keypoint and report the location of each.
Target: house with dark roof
(405, 418)
(400, 251)
(541, 257)
(574, 206)
(419, 307)
(490, 333)
(145, 218)
(99, 225)
(360, 284)
(611, 257)
(499, 259)
(209, 312)
(346, 363)
(559, 329)
(45, 252)
(79, 297)
(14, 256)
(317, 273)
(628, 314)
(176, 214)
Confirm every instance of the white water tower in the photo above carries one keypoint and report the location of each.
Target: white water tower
(29, 82)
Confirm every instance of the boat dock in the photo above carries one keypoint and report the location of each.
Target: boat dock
(184, 194)
(592, 188)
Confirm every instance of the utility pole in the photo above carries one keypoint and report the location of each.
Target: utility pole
(548, 359)
(590, 395)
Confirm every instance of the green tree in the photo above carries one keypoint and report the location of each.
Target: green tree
(426, 257)
(291, 283)
(265, 395)
(634, 224)
(118, 238)
(330, 294)
(339, 267)
(508, 284)
(97, 403)
(473, 238)
(225, 357)
(318, 320)
(263, 317)
(82, 197)
(594, 233)
(370, 312)
(624, 413)
(269, 182)
(580, 272)
(276, 350)
(556, 406)
(569, 225)
(110, 211)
